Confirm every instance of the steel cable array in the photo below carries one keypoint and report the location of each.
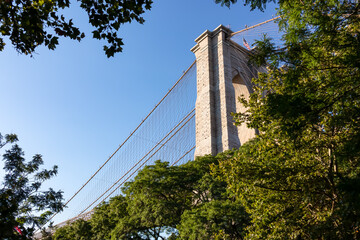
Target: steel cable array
(167, 133)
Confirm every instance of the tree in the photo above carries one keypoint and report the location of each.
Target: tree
(299, 178)
(157, 198)
(216, 219)
(23, 204)
(32, 23)
(214, 214)
(79, 229)
(260, 4)
(106, 216)
(182, 202)
(186, 201)
(29, 24)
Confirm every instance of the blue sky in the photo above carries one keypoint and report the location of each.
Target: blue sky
(75, 106)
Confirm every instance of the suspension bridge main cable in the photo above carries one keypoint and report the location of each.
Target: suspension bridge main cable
(141, 123)
(121, 145)
(257, 25)
(233, 34)
(162, 145)
(141, 159)
(130, 176)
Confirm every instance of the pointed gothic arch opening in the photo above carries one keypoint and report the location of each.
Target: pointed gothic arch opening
(241, 89)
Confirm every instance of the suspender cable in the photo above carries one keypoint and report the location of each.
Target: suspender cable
(131, 134)
(162, 145)
(140, 160)
(183, 156)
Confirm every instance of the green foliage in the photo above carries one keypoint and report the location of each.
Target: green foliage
(79, 229)
(106, 216)
(214, 218)
(226, 2)
(299, 178)
(157, 197)
(31, 23)
(21, 195)
(259, 4)
(212, 211)
(176, 201)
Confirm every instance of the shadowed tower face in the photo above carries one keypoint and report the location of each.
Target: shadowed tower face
(223, 75)
(241, 89)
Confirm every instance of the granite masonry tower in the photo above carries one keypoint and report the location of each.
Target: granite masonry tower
(223, 74)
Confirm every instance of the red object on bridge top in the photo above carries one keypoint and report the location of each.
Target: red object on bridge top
(18, 230)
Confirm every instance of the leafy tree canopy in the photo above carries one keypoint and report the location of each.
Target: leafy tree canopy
(300, 177)
(106, 216)
(171, 201)
(259, 4)
(23, 204)
(31, 23)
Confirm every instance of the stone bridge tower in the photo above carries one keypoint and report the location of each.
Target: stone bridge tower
(223, 74)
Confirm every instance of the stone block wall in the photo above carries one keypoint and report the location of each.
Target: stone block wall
(220, 64)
